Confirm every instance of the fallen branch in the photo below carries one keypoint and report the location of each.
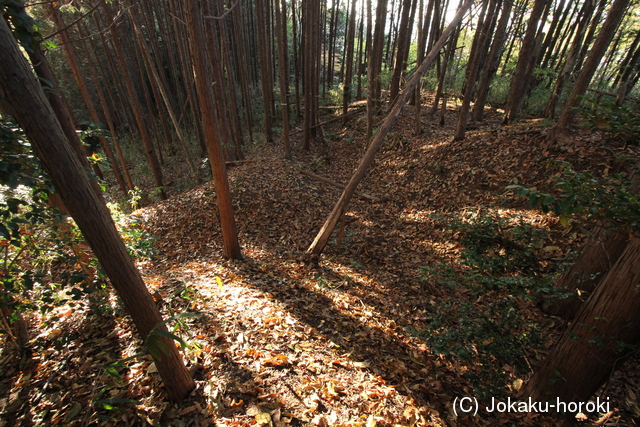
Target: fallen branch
(239, 162)
(336, 184)
(335, 119)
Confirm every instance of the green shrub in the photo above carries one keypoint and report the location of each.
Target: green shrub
(500, 272)
(612, 199)
(619, 124)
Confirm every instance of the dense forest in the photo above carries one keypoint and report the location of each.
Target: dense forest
(329, 213)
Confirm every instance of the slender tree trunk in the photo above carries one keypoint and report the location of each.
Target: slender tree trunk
(201, 68)
(521, 76)
(296, 60)
(164, 94)
(265, 67)
(554, 32)
(515, 34)
(616, 12)
(233, 109)
(442, 80)
(492, 63)
(375, 65)
(137, 110)
(585, 13)
(30, 107)
(348, 75)
(475, 56)
(419, 57)
(107, 115)
(369, 71)
(73, 65)
(241, 66)
(359, 63)
(404, 39)
(283, 66)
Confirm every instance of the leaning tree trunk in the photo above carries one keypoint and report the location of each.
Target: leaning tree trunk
(597, 51)
(604, 334)
(323, 235)
(21, 90)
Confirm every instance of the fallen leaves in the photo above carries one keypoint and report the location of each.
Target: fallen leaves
(281, 343)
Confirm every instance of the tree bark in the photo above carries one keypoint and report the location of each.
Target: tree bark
(616, 12)
(597, 257)
(283, 68)
(603, 336)
(201, 70)
(492, 63)
(521, 76)
(159, 84)
(137, 110)
(316, 248)
(32, 111)
(348, 75)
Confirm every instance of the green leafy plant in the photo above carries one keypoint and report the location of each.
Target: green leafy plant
(619, 124)
(500, 272)
(610, 199)
(154, 343)
(139, 242)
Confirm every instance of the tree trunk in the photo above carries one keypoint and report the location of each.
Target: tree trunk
(296, 60)
(359, 63)
(604, 334)
(137, 111)
(59, 105)
(601, 251)
(402, 42)
(316, 248)
(492, 63)
(159, 84)
(109, 120)
(475, 56)
(283, 67)
(585, 14)
(521, 77)
(616, 12)
(265, 67)
(201, 70)
(375, 65)
(348, 75)
(32, 111)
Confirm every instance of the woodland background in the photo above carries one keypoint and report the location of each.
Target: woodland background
(219, 134)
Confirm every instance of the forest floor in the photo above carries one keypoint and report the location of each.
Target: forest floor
(280, 341)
